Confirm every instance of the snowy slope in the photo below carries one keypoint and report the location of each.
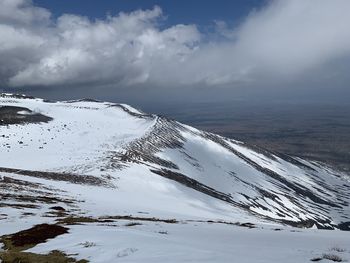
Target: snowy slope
(107, 161)
(197, 243)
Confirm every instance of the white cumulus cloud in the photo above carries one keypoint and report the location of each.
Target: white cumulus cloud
(284, 40)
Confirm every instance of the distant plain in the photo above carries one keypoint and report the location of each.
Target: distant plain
(319, 132)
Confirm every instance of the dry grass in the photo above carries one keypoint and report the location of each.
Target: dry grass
(16, 243)
(25, 257)
(338, 249)
(332, 257)
(31, 237)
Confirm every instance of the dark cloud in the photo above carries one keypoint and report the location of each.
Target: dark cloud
(285, 42)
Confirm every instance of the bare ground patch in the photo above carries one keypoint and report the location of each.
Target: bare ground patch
(26, 257)
(16, 243)
(31, 237)
(65, 177)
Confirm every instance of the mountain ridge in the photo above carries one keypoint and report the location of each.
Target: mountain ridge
(245, 179)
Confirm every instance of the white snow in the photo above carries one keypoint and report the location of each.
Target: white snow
(78, 139)
(192, 242)
(88, 138)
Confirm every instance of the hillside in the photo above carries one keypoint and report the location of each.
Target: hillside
(116, 177)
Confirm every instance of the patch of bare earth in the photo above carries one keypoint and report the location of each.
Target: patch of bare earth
(15, 244)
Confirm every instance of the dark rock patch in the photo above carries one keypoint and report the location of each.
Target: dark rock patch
(10, 115)
(33, 236)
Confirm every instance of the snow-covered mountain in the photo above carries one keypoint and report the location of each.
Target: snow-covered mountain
(96, 162)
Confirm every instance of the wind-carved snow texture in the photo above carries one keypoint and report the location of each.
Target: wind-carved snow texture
(90, 142)
(149, 183)
(307, 194)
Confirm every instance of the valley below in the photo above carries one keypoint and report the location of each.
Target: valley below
(315, 131)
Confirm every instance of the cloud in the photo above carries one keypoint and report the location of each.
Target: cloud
(293, 36)
(22, 13)
(75, 50)
(284, 41)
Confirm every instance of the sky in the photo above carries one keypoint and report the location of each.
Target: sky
(201, 13)
(152, 51)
